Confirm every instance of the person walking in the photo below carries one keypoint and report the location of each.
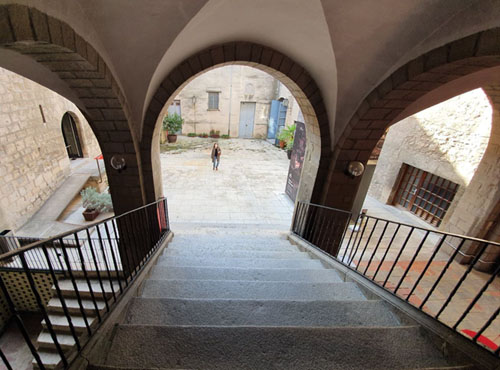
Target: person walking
(216, 152)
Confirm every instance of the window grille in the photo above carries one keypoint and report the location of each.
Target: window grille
(426, 195)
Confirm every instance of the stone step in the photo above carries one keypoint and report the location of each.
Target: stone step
(235, 243)
(283, 246)
(269, 347)
(319, 275)
(240, 262)
(45, 341)
(107, 367)
(237, 289)
(50, 359)
(54, 306)
(67, 288)
(236, 253)
(184, 312)
(60, 323)
(236, 235)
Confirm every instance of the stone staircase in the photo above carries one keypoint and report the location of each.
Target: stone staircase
(46, 348)
(236, 300)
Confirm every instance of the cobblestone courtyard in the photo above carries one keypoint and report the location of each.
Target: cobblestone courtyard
(248, 188)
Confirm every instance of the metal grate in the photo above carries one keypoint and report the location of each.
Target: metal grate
(426, 195)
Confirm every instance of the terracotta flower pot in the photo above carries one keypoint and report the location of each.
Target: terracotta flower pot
(172, 138)
(90, 214)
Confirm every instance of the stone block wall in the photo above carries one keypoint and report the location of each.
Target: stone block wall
(235, 84)
(449, 140)
(33, 157)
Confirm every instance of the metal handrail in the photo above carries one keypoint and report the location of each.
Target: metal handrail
(121, 248)
(363, 247)
(71, 232)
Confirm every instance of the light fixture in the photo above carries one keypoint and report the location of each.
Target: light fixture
(118, 162)
(354, 169)
(193, 100)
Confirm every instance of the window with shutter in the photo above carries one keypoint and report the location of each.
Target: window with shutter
(213, 100)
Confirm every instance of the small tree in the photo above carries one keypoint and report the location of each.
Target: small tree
(172, 123)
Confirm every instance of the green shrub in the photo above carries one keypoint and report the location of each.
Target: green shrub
(93, 200)
(192, 134)
(225, 136)
(172, 123)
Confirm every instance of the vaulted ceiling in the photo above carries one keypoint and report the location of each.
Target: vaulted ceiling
(348, 47)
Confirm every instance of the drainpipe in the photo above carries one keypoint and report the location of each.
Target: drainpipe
(230, 99)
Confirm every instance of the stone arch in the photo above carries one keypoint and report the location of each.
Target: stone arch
(55, 45)
(291, 74)
(392, 99)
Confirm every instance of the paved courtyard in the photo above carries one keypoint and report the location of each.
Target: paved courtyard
(248, 188)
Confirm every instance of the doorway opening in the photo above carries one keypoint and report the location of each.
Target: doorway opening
(232, 106)
(71, 137)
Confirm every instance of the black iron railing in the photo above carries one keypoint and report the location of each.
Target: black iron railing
(416, 264)
(99, 261)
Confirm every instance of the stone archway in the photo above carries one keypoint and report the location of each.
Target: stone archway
(391, 101)
(291, 74)
(56, 46)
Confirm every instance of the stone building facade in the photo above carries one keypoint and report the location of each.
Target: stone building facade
(33, 157)
(230, 87)
(457, 141)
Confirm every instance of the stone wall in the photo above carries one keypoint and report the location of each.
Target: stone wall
(448, 140)
(235, 84)
(33, 157)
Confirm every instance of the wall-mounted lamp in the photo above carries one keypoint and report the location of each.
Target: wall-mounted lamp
(118, 162)
(354, 169)
(193, 100)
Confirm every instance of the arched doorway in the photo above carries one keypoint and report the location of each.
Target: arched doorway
(71, 138)
(289, 73)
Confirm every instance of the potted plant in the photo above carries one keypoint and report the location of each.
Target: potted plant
(286, 136)
(214, 134)
(95, 203)
(172, 123)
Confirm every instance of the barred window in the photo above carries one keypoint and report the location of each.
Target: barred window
(213, 100)
(425, 194)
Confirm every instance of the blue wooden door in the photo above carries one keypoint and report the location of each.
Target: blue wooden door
(277, 118)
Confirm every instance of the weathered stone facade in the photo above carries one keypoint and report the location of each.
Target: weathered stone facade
(453, 140)
(33, 157)
(234, 84)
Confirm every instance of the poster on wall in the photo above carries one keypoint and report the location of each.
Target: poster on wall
(296, 160)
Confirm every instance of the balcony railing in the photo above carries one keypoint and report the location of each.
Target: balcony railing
(106, 256)
(417, 265)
